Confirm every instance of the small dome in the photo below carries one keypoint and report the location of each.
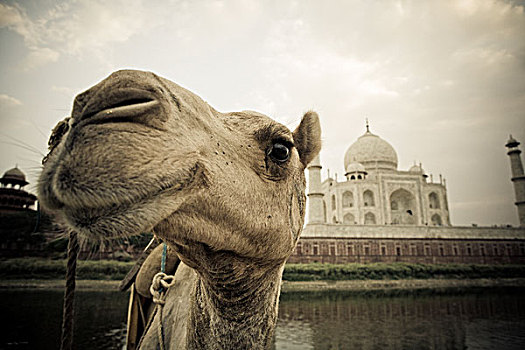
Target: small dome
(416, 169)
(15, 173)
(15, 176)
(372, 152)
(355, 167)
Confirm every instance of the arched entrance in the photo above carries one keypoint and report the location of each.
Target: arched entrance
(349, 219)
(370, 219)
(368, 198)
(436, 220)
(348, 199)
(433, 201)
(403, 207)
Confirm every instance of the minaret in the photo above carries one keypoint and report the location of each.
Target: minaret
(315, 195)
(518, 177)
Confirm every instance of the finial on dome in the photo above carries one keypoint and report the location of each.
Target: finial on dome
(367, 126)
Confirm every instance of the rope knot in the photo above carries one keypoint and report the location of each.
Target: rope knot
(159, 285)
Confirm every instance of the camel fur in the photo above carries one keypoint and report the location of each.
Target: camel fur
(225, 191)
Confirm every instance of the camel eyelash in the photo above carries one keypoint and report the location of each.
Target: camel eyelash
(284, 142)
(272, 134)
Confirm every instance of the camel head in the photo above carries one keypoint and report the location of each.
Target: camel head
(140, 153)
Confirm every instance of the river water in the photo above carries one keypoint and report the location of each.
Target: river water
(467, 319)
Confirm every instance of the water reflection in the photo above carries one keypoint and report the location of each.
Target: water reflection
(482, 319)
(31, 319)
(475, 320)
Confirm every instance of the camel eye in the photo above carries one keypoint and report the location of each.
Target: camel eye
(279, 152)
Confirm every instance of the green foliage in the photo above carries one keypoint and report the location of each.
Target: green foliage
(382, 271)
(26, 268)
(115, 270)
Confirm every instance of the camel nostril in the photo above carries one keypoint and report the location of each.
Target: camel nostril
(131, 101)
(117, 105)
(137, 102)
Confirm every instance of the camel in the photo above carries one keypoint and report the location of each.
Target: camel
(225, 191)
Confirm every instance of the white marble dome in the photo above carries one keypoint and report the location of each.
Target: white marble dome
(416, 169)
(372, 152)
(355, 167)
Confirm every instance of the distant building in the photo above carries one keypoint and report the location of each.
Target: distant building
(12, 195)
(19, 221)
(378, 213)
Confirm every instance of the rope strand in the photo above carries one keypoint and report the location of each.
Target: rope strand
(159, 288)
(69, 295)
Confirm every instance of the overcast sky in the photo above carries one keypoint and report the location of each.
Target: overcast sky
(442, 81)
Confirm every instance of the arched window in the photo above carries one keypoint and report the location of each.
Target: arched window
(307, 248)
(433, 201)
(352, 177)
(348, 199)
(370, 219)
(405, 212)
(324, 211)
(349, 219)
(334, 220)
(341, 249)
(368, 198)
(436, 220)
(333, 202)
(298, 250)
(359, 177)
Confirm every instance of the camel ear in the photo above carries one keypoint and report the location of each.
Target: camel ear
(307, 137)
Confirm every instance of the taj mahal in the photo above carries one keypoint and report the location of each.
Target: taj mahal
(375, 191)
(379, 213)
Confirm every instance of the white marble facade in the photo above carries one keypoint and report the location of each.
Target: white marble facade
(375, 192)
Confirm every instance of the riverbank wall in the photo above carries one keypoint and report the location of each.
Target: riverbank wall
(303, 286)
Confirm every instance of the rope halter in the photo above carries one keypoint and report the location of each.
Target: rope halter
(161, 282)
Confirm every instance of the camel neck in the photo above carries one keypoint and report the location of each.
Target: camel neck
(235, 308)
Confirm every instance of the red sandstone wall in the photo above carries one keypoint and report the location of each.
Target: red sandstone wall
(436, 251)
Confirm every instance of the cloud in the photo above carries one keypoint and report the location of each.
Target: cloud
(9, 16)
(415, 58)
(15, 18)
(9, 101)
(38, 57)
(77, 28)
